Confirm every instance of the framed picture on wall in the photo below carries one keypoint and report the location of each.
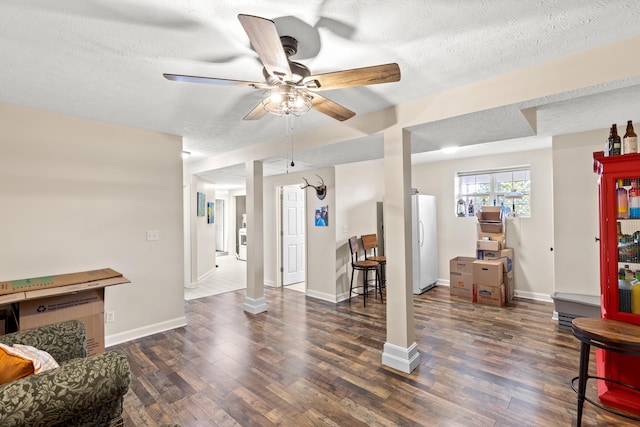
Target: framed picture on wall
(322, 216)
(201, 203)
(210, 213)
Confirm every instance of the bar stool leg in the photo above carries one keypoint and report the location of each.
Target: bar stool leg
(379, 281)
(585, 349)
(365, 289)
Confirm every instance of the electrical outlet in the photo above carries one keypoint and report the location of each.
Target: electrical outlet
(109, 316)
(153, 235)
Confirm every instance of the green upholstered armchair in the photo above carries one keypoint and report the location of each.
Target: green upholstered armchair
(83, 391)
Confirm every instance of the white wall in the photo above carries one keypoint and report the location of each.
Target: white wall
(205, 233)
(320, 244)
(359, 186)
(575, 197)
(80, 195)
(531, 238)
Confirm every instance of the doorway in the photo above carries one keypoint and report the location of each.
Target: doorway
(219, 215)
(293, 235)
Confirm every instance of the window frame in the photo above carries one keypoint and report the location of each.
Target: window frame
(493, 190)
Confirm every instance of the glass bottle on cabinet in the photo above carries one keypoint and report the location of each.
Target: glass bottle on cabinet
(619, 273)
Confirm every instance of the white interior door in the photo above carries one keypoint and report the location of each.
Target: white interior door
(293, 235)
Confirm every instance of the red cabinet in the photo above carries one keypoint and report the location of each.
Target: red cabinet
(619, 249)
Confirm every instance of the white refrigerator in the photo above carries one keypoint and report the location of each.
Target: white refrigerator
(425, 242)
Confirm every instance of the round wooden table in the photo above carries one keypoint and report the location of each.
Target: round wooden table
(609, 335)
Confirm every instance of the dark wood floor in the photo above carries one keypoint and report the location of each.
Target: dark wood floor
(312, 363)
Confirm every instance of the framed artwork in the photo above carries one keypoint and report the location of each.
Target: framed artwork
(201, 202)
(322, 216)
(210, 213)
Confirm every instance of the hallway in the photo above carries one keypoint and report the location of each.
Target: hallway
(231, 275)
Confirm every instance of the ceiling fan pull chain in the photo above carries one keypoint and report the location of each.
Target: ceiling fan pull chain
(290, 121)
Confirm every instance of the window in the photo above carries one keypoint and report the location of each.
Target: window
(490, 188)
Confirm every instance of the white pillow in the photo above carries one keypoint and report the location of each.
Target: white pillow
(42, 360)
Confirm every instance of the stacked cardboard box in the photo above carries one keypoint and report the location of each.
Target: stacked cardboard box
(488, 278)
(506, 257)
(488, 286)
(492, 247)
(461, 277)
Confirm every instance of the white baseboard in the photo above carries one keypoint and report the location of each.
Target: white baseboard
(533, 295)
(322, 296)
(206, 275)
(201, 279)
(144, 331)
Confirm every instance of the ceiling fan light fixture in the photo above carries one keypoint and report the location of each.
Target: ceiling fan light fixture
(287, 99)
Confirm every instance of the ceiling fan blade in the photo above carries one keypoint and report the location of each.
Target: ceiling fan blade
(330, 108)
(376, 74)
(214, 81)
(257, 113)
(266, 41)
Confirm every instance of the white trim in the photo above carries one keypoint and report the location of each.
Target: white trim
(201, 279)
(206, 275)
(533, 295)
(144, 331)
(255, 305)
(322, 296)
(443, 282)
(402, 359)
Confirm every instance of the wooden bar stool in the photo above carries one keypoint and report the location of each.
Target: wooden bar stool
(370, 247)
(609, 335)
(363, 265)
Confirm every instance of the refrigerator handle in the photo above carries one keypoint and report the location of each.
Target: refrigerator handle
(421, 238)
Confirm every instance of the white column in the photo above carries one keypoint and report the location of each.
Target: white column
(400, 351)
(254, 301)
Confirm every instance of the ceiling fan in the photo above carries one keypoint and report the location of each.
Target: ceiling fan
(293, 88)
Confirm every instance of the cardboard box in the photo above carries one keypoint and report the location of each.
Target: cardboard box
(489, 295)
(487, 273)
(462, 264)
(86, 306)
(461, 284)
(488, 245)
(490, 213)
(504, 255)
(461, 277)
(26, 285)
(500, 237)
(491, 219)
(509, 286)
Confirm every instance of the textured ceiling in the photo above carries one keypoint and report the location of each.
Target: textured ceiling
(104, 59)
